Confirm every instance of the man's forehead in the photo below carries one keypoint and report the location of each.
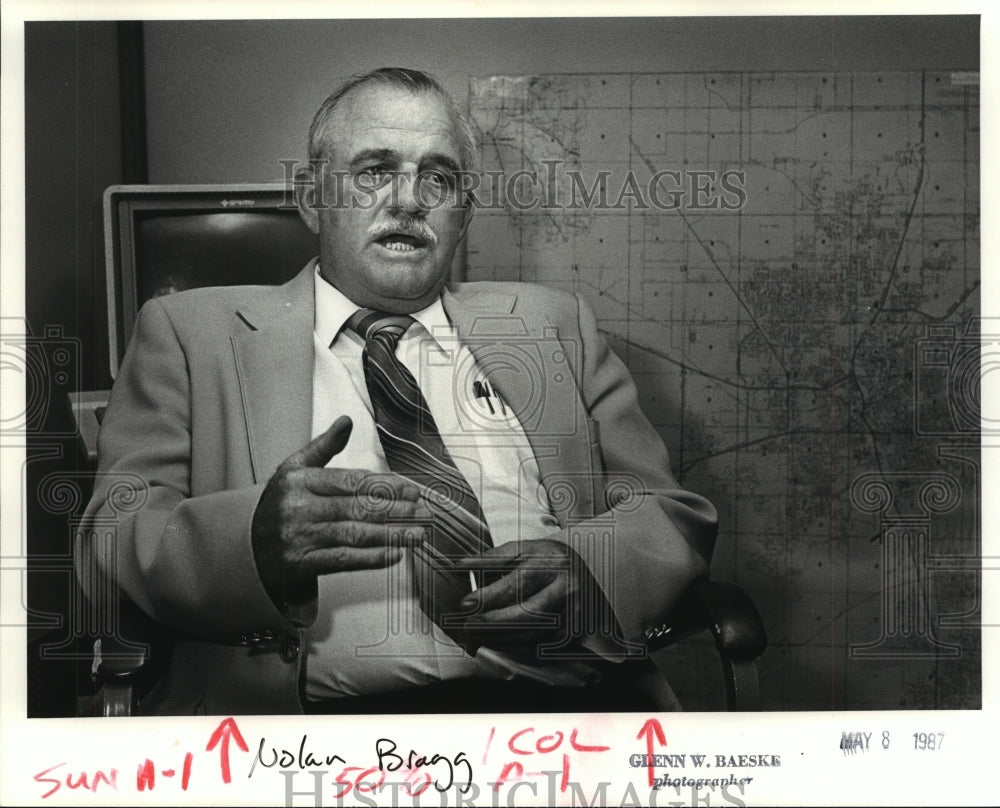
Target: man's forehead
(379, 115)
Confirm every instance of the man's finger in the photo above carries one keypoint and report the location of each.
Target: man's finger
(360, 482)
(504, 592)
(517, 586)
(323, 536)
(362, 509)
(501, 557)
(517, 628)
(542, 609)
(340, 559)
(514, 631)
(322, 448)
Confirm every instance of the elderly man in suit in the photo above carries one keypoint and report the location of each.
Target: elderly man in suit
(369, 490)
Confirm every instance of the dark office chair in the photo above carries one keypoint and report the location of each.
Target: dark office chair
(724, 609)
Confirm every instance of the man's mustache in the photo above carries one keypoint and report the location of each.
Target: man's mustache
(415, 228)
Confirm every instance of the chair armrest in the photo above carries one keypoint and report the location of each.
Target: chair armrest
(723, 608)
(115, 670)
(121, 668)
(727, 611)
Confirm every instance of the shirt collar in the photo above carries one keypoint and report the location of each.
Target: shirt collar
(333, 309)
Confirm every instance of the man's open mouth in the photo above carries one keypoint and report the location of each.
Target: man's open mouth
(401, 242)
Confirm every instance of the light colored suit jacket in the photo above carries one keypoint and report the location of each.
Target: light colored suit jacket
(215, 392)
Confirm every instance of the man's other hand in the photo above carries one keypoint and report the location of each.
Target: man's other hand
(312, 520)
(538, 599)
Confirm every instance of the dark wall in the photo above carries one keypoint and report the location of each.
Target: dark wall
(227, 100)
(72, 153)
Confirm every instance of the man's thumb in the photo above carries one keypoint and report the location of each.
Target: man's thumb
(321, 448)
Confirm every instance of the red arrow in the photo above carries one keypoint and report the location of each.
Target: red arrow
(226, 730)
(649, 729)
(186, 776)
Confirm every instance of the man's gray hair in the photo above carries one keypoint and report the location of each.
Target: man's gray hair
(415, 81)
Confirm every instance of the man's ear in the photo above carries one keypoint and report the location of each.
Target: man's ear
(308, 196)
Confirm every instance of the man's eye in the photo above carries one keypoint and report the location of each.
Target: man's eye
(436, 181)
(372, 177)
(438, 178)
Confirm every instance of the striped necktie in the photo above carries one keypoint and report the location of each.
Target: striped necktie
(414, 449)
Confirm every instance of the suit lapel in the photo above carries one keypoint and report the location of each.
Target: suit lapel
(533, 368)
(523, 356)
(274, 355)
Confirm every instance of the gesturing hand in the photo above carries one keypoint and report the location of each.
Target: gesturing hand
(312, 520)
(539, 599)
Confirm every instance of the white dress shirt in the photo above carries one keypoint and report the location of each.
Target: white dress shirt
(370, 635)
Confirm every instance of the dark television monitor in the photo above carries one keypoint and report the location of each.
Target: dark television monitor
(160, 239)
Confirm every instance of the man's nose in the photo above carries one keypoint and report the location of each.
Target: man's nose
(405, 196)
